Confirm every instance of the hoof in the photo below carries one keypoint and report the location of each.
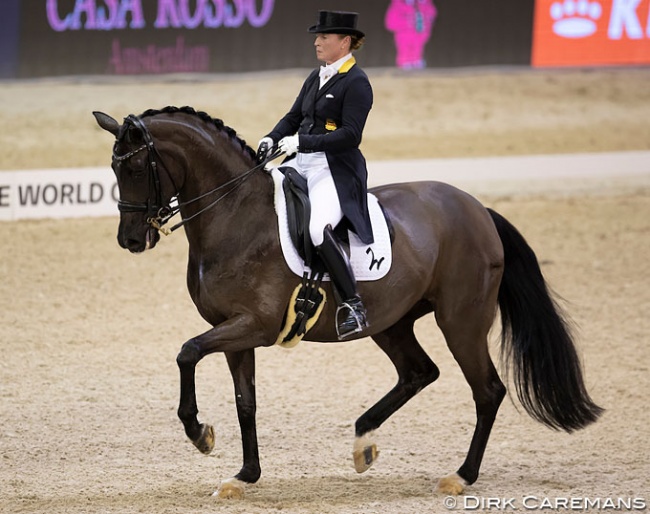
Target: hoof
(451, 485)
(205, 442)
(365, 454)
(230, 489)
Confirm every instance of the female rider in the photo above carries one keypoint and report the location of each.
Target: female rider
(321, 134)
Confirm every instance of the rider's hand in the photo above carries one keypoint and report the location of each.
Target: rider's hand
(263, 148)
(289, 145)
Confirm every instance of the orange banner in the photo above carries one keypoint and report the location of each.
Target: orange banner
(591, 32)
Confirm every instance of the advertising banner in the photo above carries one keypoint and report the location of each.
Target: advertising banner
(130, 37)
(61, 193)
(591, 32)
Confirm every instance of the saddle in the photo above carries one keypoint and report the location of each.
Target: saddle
(298, 212)
(308, 298)
(296, 194)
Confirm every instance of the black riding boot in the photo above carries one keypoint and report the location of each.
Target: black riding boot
(351, 314)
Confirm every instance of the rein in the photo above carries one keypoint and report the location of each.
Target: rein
(160, 214)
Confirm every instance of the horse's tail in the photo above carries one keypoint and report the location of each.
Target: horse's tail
(536, 342)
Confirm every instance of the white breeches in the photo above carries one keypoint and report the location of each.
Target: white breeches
(325, 204)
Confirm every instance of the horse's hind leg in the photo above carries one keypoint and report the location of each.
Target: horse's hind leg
(415, 371)
(466, 334)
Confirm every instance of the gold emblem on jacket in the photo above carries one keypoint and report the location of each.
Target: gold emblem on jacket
(330, 125)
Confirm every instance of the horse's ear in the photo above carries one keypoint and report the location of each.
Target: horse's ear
(107, 123)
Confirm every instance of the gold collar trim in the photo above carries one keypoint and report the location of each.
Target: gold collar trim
(345, 67)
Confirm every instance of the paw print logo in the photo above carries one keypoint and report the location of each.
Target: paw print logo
(575, 18)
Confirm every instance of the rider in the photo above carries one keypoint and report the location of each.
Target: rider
(323, 129)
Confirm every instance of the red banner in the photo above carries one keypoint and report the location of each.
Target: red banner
(591, 32)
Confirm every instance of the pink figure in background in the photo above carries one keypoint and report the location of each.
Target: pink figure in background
(411, 22)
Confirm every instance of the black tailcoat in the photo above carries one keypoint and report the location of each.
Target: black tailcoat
(331, 120)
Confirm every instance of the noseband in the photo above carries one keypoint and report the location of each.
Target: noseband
(158, 214)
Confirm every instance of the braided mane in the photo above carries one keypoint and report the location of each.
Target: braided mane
(218, 124)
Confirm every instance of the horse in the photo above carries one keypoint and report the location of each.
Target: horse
(452, 257)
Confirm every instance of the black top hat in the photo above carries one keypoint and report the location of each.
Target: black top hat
(337, 22)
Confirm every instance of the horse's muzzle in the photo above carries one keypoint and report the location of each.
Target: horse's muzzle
(138, 242)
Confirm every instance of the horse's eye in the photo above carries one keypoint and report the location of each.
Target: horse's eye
(138, 165)
(131, 168)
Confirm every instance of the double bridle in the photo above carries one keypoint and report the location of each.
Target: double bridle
(159, 213)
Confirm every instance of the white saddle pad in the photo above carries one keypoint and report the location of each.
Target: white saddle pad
(369, 262)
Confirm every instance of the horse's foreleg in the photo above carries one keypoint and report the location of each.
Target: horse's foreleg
(242, 369)
(202, 436)
(237, 338)
(415, 371)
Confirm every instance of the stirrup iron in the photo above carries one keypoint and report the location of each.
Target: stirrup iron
(352, 314)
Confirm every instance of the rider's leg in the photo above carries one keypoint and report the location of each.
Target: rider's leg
(351, 314)
(326, 213)
(325, 205)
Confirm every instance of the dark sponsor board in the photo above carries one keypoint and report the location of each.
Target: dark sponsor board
(116, 37)
(9, 37)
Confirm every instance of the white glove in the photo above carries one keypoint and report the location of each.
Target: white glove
(289, 145)
(263, 148)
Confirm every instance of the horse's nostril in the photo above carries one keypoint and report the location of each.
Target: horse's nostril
(134, 245)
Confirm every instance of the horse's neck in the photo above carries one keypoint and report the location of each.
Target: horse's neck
(238, 211)
(208, 160)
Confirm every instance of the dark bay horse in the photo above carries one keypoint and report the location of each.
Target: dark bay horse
(451, 256)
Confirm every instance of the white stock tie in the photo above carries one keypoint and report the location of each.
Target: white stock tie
(325, 74)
